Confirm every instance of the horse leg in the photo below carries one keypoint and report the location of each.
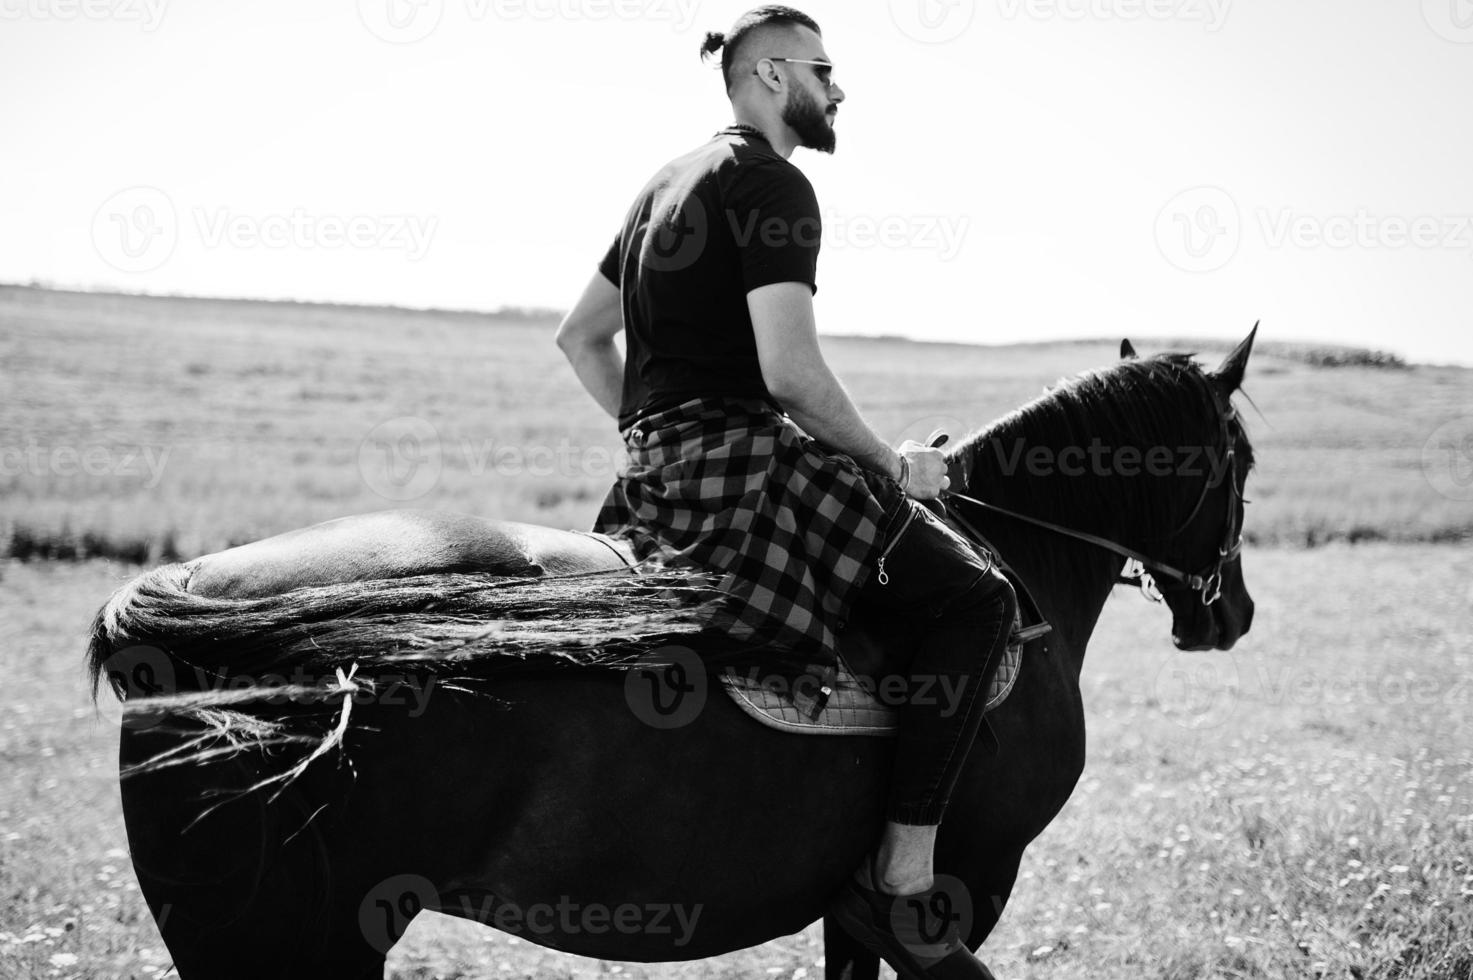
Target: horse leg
(844, 958)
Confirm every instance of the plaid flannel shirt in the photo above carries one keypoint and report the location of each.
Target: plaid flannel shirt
(731, 486)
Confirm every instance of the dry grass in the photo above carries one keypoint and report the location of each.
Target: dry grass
(1301, 807)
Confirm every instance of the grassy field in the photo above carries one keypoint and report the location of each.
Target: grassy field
(1301, 807)
(138, 427)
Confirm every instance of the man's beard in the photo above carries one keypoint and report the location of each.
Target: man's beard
(808, 119)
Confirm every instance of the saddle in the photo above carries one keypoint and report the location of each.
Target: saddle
(845, 702)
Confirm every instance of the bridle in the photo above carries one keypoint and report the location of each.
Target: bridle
(1138, 567)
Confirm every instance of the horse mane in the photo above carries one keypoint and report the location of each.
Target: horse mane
(1162, 400)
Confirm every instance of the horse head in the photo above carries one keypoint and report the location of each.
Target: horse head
(1211, 609)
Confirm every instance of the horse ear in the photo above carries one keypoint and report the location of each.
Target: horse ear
(1127, 350)
(1230, 374)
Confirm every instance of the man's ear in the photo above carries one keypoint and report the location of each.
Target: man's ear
(1127, 350)
(1230, 374)
(766, 72)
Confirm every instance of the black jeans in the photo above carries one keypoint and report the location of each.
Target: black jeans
(964, 608)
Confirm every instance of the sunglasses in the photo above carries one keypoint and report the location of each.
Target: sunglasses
(823, 70)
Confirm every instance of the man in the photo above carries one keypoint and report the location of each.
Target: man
(711, 280)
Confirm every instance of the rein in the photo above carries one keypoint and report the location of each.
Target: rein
(1207, 584)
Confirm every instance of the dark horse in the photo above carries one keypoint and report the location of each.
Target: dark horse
(549, 808)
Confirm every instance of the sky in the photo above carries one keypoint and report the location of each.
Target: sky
(1007, 170)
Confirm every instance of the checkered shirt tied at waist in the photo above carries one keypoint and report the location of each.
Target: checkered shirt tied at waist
(732, 486)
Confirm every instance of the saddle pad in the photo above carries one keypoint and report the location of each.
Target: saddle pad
(850, 709)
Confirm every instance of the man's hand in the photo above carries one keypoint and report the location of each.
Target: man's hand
(926, 476)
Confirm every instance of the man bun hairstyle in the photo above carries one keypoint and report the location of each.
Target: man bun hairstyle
(731, 43)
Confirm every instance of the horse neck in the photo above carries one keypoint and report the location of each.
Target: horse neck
(1071, 578)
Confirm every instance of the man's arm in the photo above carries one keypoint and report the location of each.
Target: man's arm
(798, 377)
(586, 336)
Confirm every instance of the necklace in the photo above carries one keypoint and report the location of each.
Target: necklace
(746, 130)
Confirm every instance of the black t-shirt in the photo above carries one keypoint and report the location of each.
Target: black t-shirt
(707, 229)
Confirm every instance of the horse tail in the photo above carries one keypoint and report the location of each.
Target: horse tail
(498, 624)
(132, 612)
